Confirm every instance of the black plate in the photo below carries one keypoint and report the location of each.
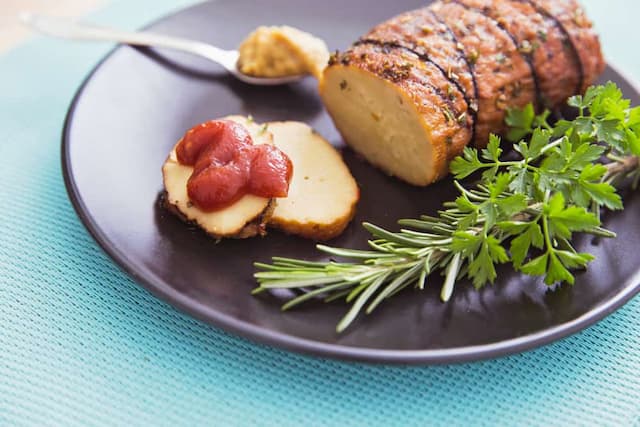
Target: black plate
(137, 103)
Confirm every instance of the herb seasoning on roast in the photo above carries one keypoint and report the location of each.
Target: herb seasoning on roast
(443, 77)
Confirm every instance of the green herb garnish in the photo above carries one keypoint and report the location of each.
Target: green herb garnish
(523, 211)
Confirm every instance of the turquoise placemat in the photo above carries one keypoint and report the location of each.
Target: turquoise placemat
(82, 344)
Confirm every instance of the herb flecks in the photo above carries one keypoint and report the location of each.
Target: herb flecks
(523, 211)
(473, 57)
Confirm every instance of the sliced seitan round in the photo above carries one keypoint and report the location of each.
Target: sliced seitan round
(322, 194)
(245, 218)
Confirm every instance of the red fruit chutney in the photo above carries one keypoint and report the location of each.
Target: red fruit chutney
(227, 165)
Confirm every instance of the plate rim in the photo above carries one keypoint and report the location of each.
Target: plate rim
(263, 335)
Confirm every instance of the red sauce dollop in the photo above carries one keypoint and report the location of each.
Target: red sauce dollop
(227, 165)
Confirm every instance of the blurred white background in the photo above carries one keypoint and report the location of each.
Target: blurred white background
(620, 40)
(12, 32)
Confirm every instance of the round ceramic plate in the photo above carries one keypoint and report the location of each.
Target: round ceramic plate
(137, 103)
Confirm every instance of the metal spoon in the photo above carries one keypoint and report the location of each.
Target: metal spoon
(68, 29)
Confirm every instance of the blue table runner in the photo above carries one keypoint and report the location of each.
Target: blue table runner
(82, 344)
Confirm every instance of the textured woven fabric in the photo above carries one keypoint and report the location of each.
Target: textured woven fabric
(82, 344)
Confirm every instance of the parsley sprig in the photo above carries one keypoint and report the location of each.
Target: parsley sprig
(524, 209)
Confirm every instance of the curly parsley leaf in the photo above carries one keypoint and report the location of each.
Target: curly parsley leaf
(467, 164)
(564, 220)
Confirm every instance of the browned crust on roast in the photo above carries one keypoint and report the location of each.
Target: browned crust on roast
(423, 33)
(255, 227)
(424, 84)
(503, 15)
(503, 76)
(317, 231)
(571, 18)
(513, 52)
(555, 67)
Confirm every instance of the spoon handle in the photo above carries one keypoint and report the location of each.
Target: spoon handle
(65, 28)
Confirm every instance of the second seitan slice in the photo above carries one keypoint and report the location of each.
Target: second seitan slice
(323, 194)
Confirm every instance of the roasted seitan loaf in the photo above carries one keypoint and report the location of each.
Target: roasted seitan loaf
(415, 90)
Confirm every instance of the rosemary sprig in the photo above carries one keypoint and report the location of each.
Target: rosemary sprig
(523, 211)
